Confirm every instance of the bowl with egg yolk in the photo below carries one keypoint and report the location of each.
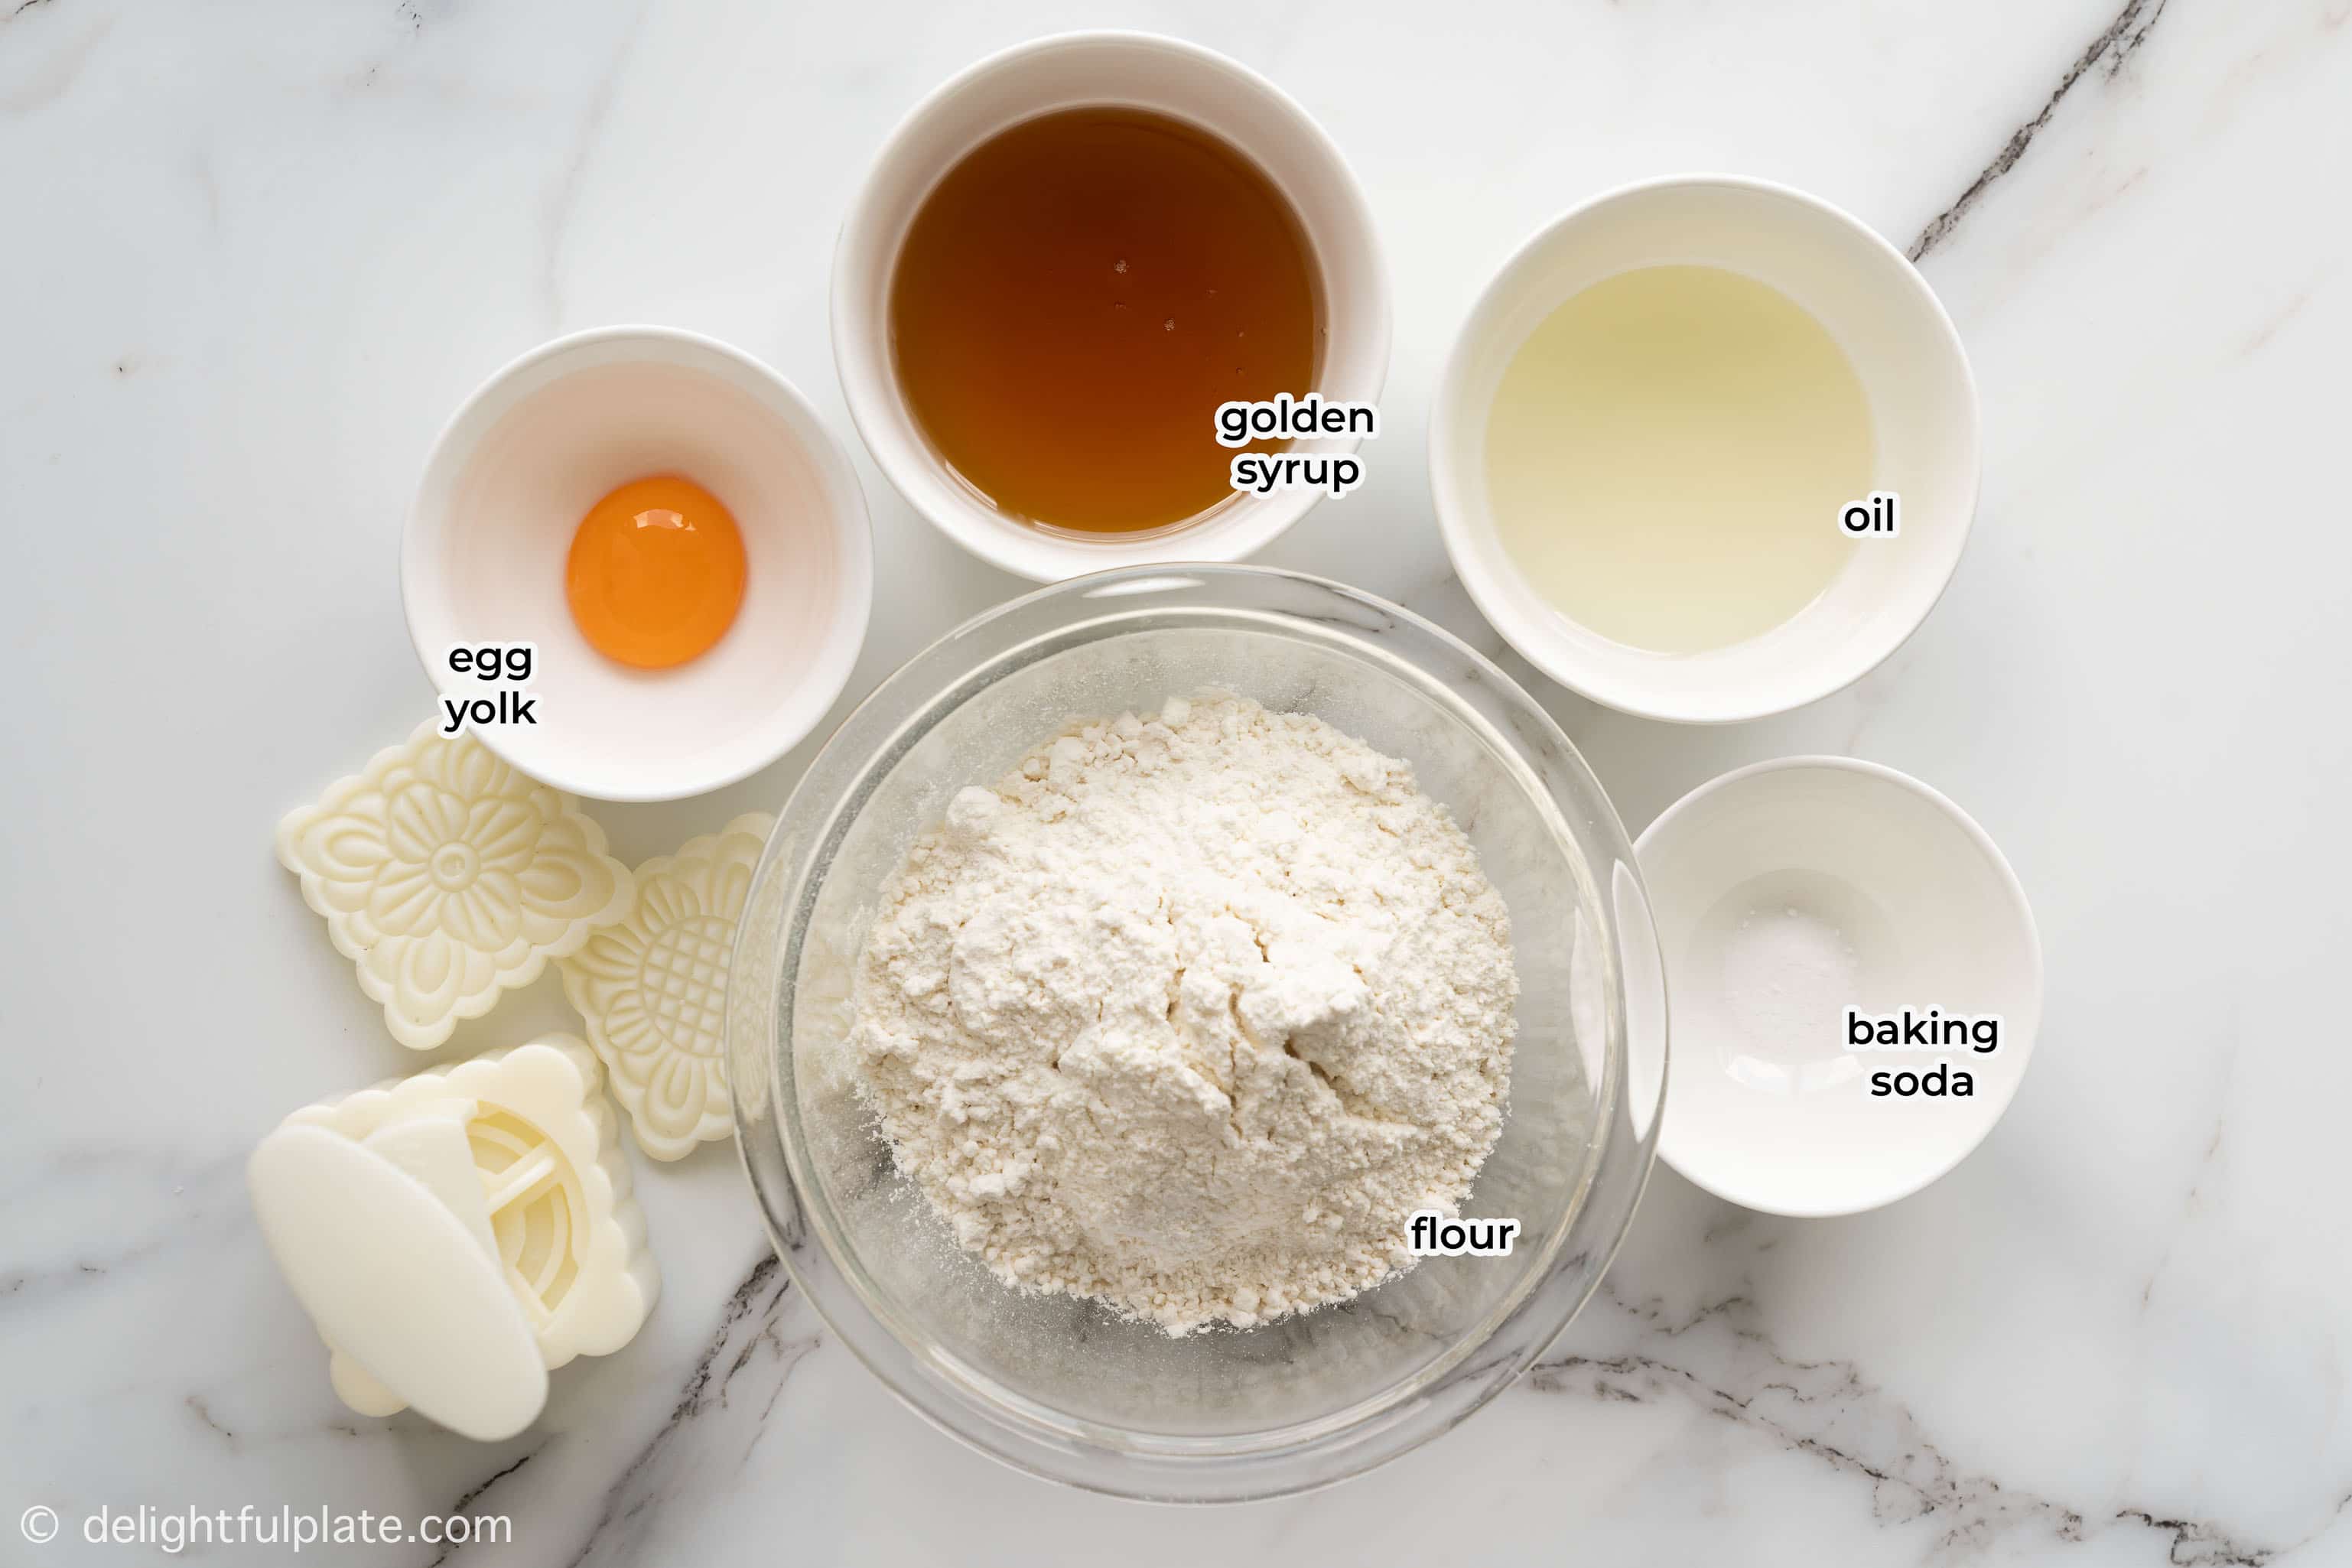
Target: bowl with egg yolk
(637, 565)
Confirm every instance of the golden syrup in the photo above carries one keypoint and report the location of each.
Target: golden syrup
(1076, 298)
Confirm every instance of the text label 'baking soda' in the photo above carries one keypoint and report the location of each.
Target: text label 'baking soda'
(502, 666)
(1294, 418)
(1932, 1031)
(1435, 1236)
(1876, 516)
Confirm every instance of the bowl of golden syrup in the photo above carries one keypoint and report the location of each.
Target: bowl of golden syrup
(1063, 263)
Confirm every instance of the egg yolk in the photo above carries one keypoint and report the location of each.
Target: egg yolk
(656, 574)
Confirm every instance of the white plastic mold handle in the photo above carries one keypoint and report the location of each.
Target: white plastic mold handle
(520, 1150)
(398, 1282)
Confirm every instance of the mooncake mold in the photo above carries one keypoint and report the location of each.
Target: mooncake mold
(652, 989)
(550, 1198)
(378, 1262)
(449, 877)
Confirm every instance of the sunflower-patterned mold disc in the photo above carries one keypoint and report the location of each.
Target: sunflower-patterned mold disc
(652, 989)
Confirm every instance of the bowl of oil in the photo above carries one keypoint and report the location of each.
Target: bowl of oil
(1706, 449)
(1062, 262)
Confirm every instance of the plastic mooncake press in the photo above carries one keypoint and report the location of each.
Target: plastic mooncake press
(509, 1170)
(654, 989)
(448, 876)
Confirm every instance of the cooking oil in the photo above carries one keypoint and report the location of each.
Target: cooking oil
(1668, 455)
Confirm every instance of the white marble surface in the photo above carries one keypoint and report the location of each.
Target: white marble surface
(255, 255)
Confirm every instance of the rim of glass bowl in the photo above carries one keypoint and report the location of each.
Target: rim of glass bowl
(800, 1222)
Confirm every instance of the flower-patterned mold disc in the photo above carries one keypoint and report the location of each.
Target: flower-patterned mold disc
(555, 1186)
(652, 989)
(449, 877)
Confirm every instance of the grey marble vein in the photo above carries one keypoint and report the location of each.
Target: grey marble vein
(564, 197)
(465, 1500)
(748, 1325)
(1827, 1410)
(2109, 50)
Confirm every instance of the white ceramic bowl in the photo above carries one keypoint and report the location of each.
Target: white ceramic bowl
(1923, 403)
(506, 485)
(1786, 892)
(1140, 70)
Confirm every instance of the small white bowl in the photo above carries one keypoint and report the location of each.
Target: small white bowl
(518, 466)
(1140, 70)
(1786, 892)
(1913, 370)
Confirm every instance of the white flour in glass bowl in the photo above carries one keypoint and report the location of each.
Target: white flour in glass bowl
(1191, 1013)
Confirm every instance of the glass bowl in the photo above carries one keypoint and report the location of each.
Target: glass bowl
(1060, 1386)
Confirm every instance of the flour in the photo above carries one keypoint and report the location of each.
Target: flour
(1189, 1013)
